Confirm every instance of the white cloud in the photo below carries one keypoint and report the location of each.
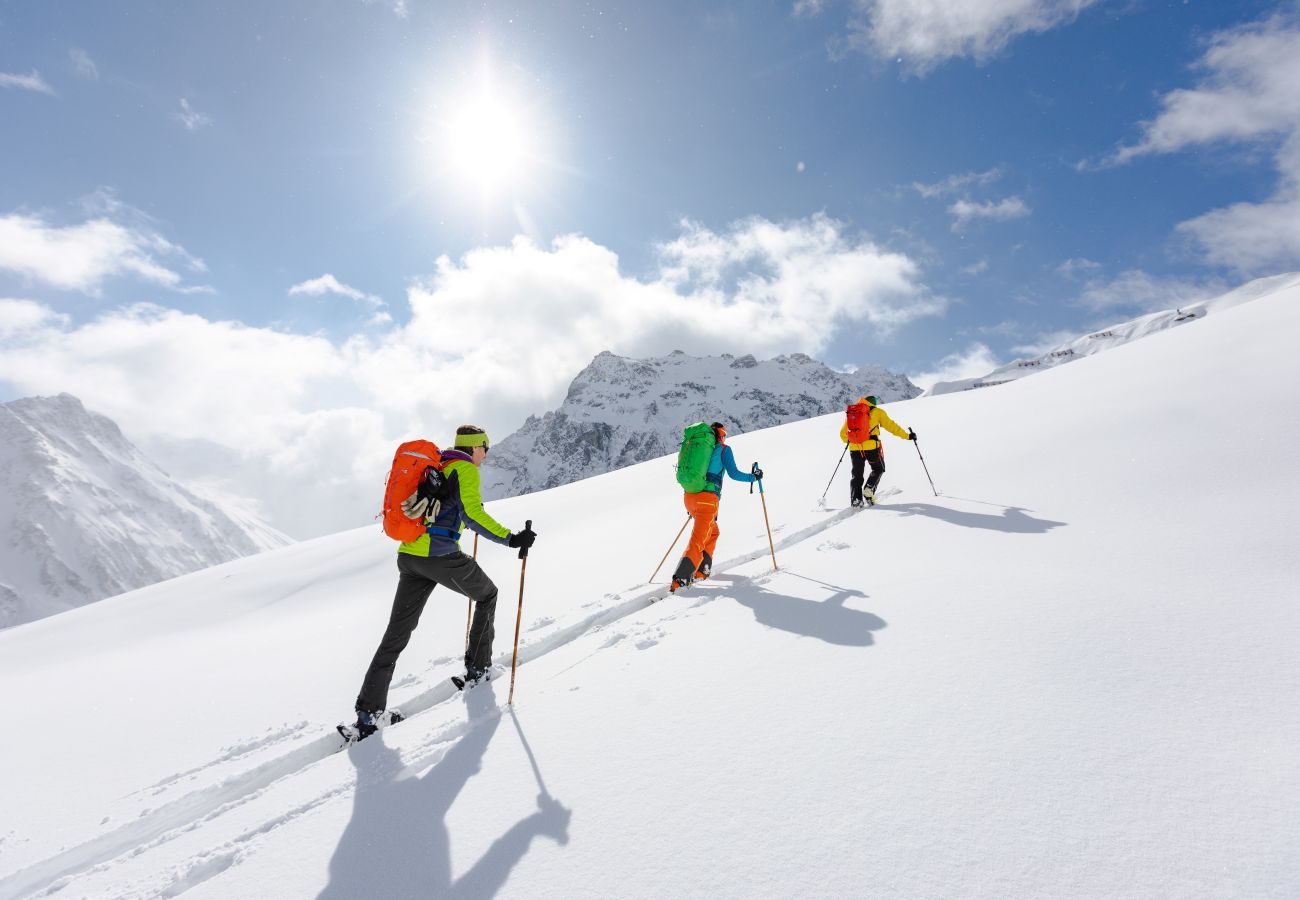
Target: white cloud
(191, 118)
(328, 284)
(18, 316)
(1249, 91)
(31, 82)
(956, 183)
(115, 241)
(1077, 265)
(923, 34)
(978, 268)
(1141, 292)
(305, 424)
(82, 64)
(808, 8)
(80, 257)
(976, 360)
(964, 212)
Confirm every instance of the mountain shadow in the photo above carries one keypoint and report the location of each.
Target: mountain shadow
(828, 620)
(397, 843)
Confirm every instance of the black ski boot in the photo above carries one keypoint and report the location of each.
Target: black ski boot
(684, 574)
(705, 569)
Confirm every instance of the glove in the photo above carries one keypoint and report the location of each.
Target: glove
(523, 539)
(757, 472)
(414, 507)
(911, 435)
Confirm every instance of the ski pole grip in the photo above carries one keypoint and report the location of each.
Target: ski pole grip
(528, 526)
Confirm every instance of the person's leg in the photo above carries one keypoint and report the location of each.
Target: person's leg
(465, 576)
(877, 459)
(858, 461)
(413, 591)
(703, 507)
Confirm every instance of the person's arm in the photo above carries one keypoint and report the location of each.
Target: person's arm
(894, 428)
(844, 433)
(729, 463)
(472, 512)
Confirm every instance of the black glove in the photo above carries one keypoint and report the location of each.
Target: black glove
(523, 539)
(911, 435)
(757, 472)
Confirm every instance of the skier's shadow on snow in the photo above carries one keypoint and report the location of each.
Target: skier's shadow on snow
(1013, 519)
(828, 620)
(397, 843)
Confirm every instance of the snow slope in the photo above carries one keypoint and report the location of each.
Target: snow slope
(1073, 674)
(620, 411)
(1119, 335)
(85, 515)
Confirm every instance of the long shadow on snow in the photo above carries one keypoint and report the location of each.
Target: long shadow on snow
(397, 844)
(1013, 520)
(828, 620)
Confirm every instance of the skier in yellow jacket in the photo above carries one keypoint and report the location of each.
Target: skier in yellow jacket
(861, 431)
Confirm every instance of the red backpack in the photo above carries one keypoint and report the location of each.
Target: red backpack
(859, 422)
(417, 466)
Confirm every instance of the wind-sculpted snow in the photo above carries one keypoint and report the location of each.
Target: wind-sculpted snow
(623, 411)
(86, 515)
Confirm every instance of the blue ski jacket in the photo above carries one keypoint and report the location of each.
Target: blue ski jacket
(723, 460)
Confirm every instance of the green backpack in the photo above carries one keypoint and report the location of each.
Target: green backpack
(698, 441)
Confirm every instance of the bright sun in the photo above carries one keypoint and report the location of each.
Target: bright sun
(485, 142)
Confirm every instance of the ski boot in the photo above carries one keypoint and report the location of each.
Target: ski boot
(857, 503)
(475, 675)
(869, 496)
(367, 724)
(705, 569)
(684, 574)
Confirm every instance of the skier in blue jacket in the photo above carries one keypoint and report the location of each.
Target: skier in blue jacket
(697, 563)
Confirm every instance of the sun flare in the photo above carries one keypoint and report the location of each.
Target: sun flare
(485, 142)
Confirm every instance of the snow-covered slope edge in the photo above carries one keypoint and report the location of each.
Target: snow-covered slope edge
(1121, 334)
(620, 411)
(1072, 674)
(85, 515)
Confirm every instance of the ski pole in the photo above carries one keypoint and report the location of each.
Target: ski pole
(514, 661)
(469, 604)
(923, 465)
(763, 497)
(833, 474)
(669, 550)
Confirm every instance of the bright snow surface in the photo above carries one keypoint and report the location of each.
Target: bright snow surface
(1073, 674)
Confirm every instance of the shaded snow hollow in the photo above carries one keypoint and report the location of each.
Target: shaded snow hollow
(1072, 674)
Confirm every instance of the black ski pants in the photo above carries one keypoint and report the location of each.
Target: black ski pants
(859, 459)
(419, 576)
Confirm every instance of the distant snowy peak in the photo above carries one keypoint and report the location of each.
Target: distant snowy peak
(1118, 335)
(621, 411)
(85, 515)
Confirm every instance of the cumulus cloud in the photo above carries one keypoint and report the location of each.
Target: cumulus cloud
(1140, 292)
(925, 35)
(20, 316)
(29, 82)
(964, 212)
(976, 360)
(1248, 92)
(81, 257)
(191, 118)
(305, 423)
(82, 64)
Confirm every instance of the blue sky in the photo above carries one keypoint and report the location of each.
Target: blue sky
(329, 224)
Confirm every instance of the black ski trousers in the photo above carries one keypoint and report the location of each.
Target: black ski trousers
(859, 459)
(419, 576)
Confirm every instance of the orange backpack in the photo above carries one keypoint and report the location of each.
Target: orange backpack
(417, 466)
(859, 422)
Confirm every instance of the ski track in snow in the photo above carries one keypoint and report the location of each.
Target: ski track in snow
(156, 827)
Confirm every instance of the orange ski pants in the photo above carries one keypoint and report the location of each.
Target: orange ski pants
(703, 508)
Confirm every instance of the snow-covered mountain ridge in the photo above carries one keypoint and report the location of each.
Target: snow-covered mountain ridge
(1118, 335)
(85, 515)
(622, 411)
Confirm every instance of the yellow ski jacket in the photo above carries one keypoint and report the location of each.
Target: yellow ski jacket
(878, 417)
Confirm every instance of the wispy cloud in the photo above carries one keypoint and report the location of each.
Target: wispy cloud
(1141, 292)
(17, 316)
(922, 36)
(82, 64)
(1076, 266)
(29, 82)
(328, 284)
(964, 212)
(191, 118)
(1249, 92)
(83, 256)
(954, 184)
